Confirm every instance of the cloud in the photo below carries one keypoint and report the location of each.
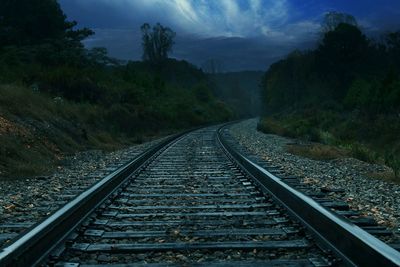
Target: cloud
(243, 34)
(235, 53)
(209, 18)
(202, 17)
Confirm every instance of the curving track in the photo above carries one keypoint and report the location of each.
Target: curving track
(191, 204)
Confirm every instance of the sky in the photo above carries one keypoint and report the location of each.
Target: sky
(239, 34)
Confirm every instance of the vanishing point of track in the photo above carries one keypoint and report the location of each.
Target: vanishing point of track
(195, 200)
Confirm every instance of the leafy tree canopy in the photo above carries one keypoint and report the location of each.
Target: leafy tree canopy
(334, 18)
(346, 71)
(342, 47)
(156, 42)
(31, 22)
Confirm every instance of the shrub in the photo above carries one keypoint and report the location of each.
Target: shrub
(270, 126)
(316, 151)
(359, 94)
(203, 93)
(362, 153)
(73, 84)
(123, 118)
(392, 160)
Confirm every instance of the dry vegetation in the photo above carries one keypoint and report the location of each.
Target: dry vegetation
(316, 151)
(36, 131)
(386, 176)
(326, 135)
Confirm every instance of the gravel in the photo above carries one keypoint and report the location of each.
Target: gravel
(193, 165)
(30, 200)
(377, 198)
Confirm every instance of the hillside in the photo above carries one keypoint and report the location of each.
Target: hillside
(58, 97)
(345, 93)
(39, 127)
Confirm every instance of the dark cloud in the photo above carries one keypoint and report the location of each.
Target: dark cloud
(234, 53)
(245, 34)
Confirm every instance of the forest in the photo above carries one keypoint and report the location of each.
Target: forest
(346, 92)
(240, 91)
(58, 97)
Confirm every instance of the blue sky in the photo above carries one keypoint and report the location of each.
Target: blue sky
(242, 34)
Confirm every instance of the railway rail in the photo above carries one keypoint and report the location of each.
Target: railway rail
(197, 200)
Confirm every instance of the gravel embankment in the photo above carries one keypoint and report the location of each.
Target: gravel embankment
(376, 198)
(27, 201)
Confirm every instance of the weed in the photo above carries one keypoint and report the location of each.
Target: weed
(362, 153)
(316, 151)
(386, 176)
(392, 160)
(270, 126)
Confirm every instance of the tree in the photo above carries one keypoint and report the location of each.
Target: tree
(31, 22)
(360, 95)
(156, 42)
(393, 40)
(344, 44)
(342, 53)
(334, 18)
(99, 56)
(393, 45)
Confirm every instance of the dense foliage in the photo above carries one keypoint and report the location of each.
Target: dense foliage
(44, 51)
(346, 92)
(347, 70)
(29, 22)
(43, 58)
(240, 91)
(156, 42)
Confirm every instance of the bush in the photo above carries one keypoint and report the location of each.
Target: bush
(270, 126)
(392, 160)
(316, 151)
(203, 93)
(71, 83)
(123, 118)
(359, 95)
(362, 153)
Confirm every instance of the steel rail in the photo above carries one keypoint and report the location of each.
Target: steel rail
(35, 244)
(352, 244)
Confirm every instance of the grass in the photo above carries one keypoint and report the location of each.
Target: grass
(36, 131)
(392, 160)
(291, 127)
(317, 151)
(19, 157)
(386, 176)
(363, 153)
(271, 126)
(372, 140)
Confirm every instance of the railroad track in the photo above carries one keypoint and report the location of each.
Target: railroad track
(195, 200)
(53, 194)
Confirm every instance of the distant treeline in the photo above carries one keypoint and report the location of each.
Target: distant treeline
(41, 50)
(347, 72)
(240, 91)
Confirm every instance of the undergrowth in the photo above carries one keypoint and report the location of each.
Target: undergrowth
(336, 135)
(37, 129)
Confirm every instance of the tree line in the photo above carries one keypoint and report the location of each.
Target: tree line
(42, 50)
(347, 71)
